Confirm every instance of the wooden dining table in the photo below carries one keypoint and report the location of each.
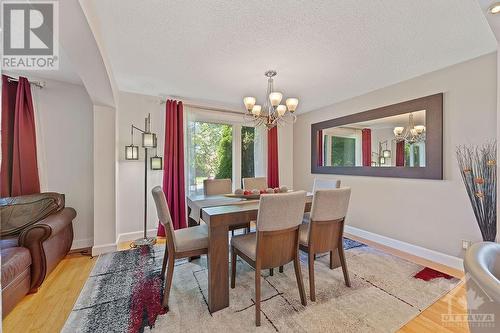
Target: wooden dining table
(219, 218)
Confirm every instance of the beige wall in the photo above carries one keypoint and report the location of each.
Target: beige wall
(432, 214)
(64, 124)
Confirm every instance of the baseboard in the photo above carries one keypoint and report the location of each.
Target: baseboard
(105, 248)
(130, 236)
(415, 250)
(82, 243)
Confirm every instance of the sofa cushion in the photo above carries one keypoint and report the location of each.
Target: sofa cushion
(17, 213)
(15, 260)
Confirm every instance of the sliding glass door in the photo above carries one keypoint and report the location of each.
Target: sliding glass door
(216, 149)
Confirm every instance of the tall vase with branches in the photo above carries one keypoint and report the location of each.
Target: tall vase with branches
(479, 173)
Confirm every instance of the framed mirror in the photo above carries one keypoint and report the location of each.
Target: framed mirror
(401, 140)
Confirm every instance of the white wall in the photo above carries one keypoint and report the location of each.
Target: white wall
(432, 214)
(132, 109)
(64, 121)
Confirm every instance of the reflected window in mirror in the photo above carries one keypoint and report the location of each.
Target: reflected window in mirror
(399, 140)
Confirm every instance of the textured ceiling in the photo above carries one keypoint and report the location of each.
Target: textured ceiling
(324, 51)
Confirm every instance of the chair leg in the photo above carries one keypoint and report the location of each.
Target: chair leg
(300, 282)
(271, 271)
(312, 290)
(344, 266)
(281, 269)
(164, 265)
(257, 296)
(331, 259)
(168, 281)
(233, 268)
(232, 233)
(248, 229)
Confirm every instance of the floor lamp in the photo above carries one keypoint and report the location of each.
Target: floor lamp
(149, 141)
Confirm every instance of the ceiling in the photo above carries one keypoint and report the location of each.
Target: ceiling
(392, 121)
(324, 51)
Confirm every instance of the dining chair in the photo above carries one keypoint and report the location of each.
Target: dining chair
(324, 232)
(275, 242)
(259, 183)
(325, 184)
(321, 184)
(222, 186)
(182, 243)
(217, 186)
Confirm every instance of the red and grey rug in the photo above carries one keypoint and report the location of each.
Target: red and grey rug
(123, 294)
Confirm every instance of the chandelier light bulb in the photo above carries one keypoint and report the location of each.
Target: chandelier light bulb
(398, 130)
(249, 102)
(275, 98)
(281, 109)
(291, 104)
(420, 129)
(256, 110)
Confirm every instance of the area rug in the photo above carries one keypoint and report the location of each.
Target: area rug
(123, 294)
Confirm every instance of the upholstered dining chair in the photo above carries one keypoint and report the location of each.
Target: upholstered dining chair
(276, 241)
(181, 243)
(217, 186)
(222, 186)
(259, 183)
(325, 230)
(325, 184)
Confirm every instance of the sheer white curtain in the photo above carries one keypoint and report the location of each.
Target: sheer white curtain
(40, 139)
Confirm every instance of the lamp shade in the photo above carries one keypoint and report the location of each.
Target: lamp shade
(249, 102)
(131, 152)
(148, 140)
(156, 163)
(281, 110)
(275, 98)
(291, 104)
(382, 160)
(386, 153)
(256, 110)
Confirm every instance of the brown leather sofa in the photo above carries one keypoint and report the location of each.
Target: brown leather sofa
(36, 233)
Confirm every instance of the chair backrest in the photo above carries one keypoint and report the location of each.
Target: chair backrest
(328, 211)
(278, 223)
(280, 211)
(217, 186)
(325, 184)
(330, 204)
(259, 183)
(164, 215)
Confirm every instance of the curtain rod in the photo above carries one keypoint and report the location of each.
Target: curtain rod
(210, 108)
(39, 84)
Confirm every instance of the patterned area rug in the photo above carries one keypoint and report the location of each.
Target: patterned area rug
(123, 294)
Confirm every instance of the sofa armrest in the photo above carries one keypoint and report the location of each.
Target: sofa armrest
(35, 235)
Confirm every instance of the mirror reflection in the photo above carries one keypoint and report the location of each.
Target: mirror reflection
(396, 141)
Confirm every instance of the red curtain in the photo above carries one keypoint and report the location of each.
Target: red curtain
(366, 146)
(320, 148)
(272, 158)
(400, 153)
(19, 170)
(173, 171)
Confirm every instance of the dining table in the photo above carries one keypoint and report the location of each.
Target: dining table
(220, 212)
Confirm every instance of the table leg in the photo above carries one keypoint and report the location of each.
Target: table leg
(192, 223)
(218, 268)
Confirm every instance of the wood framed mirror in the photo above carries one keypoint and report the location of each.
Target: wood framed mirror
(402, 140)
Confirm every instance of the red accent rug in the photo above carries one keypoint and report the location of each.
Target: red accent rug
(428, 274)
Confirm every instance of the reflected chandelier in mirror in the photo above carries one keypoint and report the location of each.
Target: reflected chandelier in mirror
(400, 140)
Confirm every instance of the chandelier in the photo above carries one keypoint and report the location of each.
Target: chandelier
(411, 133)
(272, 113)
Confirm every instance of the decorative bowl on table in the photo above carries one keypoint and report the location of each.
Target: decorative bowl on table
(255, 194)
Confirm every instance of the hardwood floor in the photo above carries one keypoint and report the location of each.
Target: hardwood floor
(47, 310)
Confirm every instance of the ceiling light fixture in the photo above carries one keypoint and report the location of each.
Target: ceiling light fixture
(272, 113)
(411, 133)
(494, 8)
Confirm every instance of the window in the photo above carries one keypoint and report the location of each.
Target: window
(415, 154)
(343, 151)
(221, 148)
(247, 152)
